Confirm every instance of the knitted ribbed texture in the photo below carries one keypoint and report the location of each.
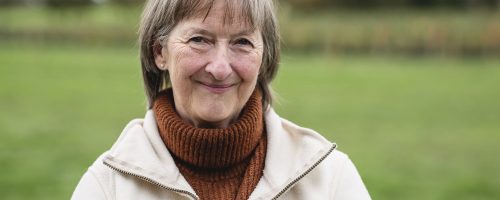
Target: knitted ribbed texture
(219, 163)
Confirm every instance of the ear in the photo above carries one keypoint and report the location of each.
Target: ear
(160, 55)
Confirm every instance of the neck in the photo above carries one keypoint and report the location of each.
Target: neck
(203, 146)
(199, 123)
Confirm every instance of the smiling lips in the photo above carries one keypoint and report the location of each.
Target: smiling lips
(217, 88)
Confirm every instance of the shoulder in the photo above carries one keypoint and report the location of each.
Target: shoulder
(97, 182)
(335, 177)
(135, 125)
(283, 128)
(131, 129)
(333, 174)
(94, 184)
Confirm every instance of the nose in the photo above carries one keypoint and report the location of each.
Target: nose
(220, 66)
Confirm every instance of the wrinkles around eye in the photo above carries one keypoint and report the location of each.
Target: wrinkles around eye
(197, 39)
(244, 42)
(198, 42)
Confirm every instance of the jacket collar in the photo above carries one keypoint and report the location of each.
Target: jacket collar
(292, 151)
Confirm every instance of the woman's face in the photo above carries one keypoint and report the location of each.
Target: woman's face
(213, 67)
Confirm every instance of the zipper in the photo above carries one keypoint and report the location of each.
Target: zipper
(305, 173)
(194, 196)
(151, 181)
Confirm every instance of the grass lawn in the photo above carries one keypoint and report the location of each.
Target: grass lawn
(416, 127)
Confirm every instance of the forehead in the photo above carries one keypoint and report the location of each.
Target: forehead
(231, 12)
(213, 24)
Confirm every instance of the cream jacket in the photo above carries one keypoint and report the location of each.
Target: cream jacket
(300, 164)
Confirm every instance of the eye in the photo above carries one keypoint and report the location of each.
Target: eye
(197, 39)
(244, 42)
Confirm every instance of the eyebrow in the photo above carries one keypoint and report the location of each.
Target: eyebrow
(244, 32)
(198, 30)
(206, 32)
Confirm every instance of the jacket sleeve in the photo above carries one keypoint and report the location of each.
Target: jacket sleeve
(89, 188)
(350, 186)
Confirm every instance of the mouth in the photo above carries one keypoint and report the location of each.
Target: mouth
(217, 88)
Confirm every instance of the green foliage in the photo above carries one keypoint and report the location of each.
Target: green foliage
(416, 127)
(449, 32)
(65, 3)
(303, 4)
(137, 2)
(321, 4)
(92, 24)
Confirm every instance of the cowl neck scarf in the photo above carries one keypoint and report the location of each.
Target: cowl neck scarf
(216, 161)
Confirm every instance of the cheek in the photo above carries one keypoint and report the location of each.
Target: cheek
(185, 62)
(248, 66)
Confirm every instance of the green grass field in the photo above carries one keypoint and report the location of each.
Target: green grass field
(416, 127)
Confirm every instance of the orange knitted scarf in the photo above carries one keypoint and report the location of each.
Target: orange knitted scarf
(219, 163)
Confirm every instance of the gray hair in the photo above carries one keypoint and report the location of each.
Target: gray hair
(161, 16)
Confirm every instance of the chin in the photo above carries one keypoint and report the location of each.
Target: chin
(216, 116)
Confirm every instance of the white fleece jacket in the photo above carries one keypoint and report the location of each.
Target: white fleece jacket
(300, 164)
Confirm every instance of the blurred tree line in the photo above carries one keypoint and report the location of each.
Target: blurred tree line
(307, 25)
(307, 4)
(390, 3)
(63, 3)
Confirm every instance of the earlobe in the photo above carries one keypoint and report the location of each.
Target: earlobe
(160, 63)
(159, 57)
(161, 66)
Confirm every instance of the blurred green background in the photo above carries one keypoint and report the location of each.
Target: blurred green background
(408, 88)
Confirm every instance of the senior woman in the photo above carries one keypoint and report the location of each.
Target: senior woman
(210, 131)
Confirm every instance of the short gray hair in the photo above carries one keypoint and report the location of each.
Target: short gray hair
(161, 16)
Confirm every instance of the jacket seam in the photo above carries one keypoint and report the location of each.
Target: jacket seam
(106, 194)
(336, 182)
